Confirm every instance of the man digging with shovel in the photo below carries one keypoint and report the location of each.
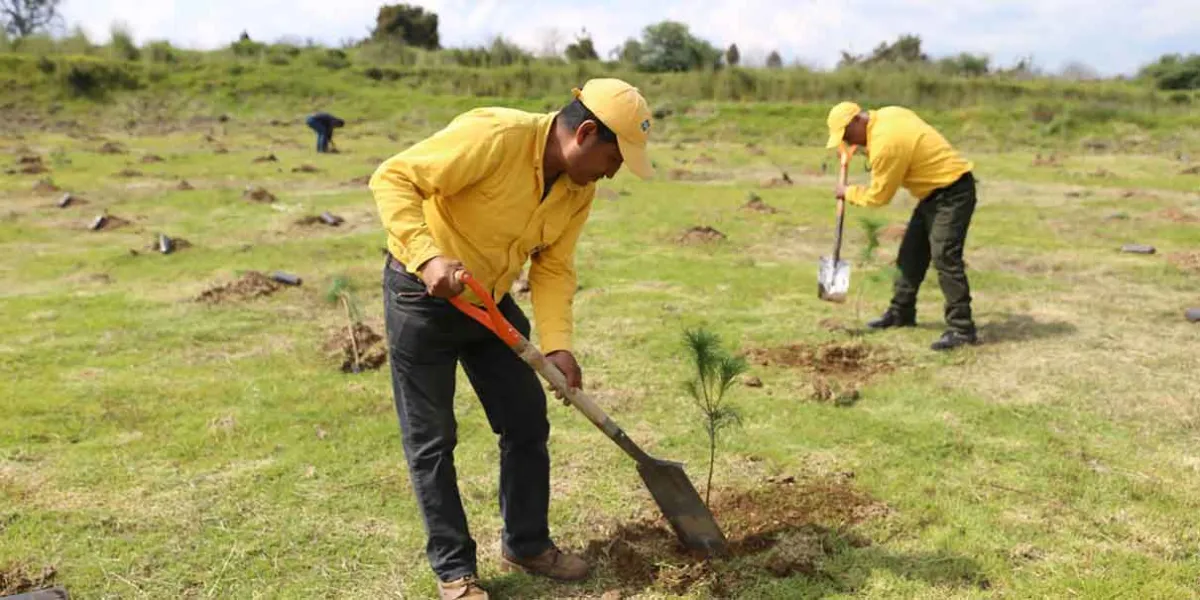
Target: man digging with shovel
(903, 150)
(495, 188)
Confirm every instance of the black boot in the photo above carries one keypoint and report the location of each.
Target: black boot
(953, 339)
(891, 319)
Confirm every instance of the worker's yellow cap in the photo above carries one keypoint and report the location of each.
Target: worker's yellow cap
(622, 109)
(839, 117)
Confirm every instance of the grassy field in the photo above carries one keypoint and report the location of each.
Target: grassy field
(154, 446)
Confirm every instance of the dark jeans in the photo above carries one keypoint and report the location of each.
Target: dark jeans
(324, 133)
(427, 338)
(937, 232)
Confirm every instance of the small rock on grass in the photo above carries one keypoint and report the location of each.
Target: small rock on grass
(1193, 315)
(752, 381)
(286, 278)
(1137, 249)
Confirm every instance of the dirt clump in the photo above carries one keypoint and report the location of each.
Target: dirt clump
(1185, 261)
(129, 173)
(1048, 161)
(786, 526)
(1179, 216)
(357, 181)
(784, 180)
(266, 159)
(755, 203)
(1192, 170)
(252, 284)
(31, 164)
(184, 186)
(686, 175)
(839, 359)
(45, 186)
(701, 234)
(256, 193)
(111, 148)
(368, 346)
(107, 222)
(16, 578)
(151, 158)
(306, 168)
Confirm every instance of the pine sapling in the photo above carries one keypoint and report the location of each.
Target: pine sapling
(715, 372)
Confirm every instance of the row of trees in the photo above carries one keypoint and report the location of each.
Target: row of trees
(669, 46)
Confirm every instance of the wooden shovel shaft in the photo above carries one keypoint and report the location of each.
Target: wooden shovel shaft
(494, 320)
(841, 206)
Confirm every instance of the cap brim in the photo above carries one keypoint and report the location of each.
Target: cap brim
(835, 138)
(635, 158)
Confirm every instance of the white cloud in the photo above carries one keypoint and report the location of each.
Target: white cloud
(1110, 35)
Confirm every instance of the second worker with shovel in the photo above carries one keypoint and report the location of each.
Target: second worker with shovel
(904, 150)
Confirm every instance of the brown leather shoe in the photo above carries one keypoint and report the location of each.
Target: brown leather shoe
(466, 588)
(552, 563)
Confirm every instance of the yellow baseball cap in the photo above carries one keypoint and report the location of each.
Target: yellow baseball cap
(622, 109)
(839, 117)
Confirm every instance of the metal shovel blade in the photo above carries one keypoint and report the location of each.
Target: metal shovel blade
(833, 282)
(693, 523)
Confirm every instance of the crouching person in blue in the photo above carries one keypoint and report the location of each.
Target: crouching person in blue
(324, 123)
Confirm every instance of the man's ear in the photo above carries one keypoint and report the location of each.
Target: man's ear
(585, 130)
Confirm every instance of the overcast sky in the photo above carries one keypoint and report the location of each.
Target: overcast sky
(1112, 36)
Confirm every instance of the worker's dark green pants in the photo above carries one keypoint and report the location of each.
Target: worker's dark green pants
(937, 232)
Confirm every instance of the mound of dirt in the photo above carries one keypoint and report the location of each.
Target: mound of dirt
(836, 359)
(151, 158)
(16, 578)
(107, 222)
(701, 234)
(1101, 173)
(686, 175)
(1179, 216)
(45, 186)
(167, 245)
(220, 150)
(266, 159)
(306, 168)
(754, 203)
(256, 193)
(366, 344)
(835, 391)
(774, 529)
(184, 186)
(325, 218)
(250, 285)
(704, 159)
(359, 181)
(1185, 261)
(31, 164)
(69, 199)
(111, 148)
(784, 180)
(1192, 170)
(129, 173)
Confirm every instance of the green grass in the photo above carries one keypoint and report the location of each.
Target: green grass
(152, 446)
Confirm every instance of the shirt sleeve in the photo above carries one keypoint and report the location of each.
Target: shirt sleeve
(889, 163)
(552, 282)
(465, 152)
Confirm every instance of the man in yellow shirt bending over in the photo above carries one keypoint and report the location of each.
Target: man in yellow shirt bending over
(905, 151)
(494, 189)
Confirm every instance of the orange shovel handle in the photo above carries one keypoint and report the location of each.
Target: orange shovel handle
(491, 318)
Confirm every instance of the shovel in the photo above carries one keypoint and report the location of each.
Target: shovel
(674, 493)
(833, 275)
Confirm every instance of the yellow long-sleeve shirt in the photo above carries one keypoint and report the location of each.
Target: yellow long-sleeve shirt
(904, 150)
(473, 192)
